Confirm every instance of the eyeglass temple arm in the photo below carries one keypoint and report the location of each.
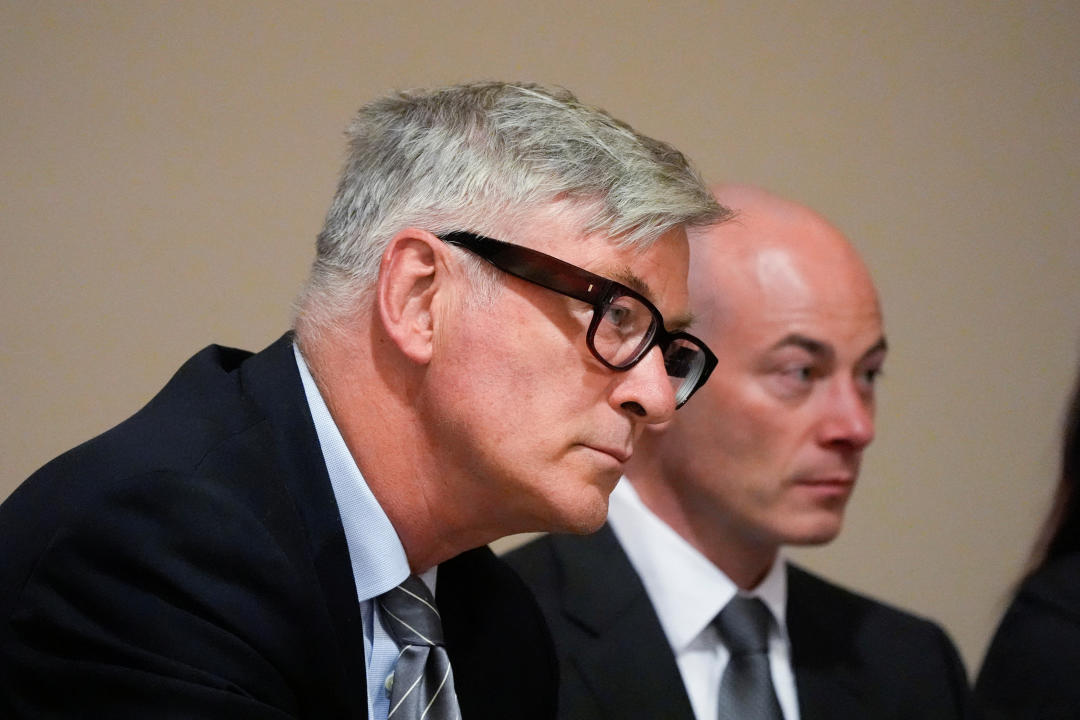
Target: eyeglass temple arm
(536, 267)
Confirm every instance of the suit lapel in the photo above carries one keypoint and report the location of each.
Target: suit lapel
(622, 635)
(502, 655)
(824, 696)
(827, 684)
(271, 380)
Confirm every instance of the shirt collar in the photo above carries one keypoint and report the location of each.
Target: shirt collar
(686, 588)
(378, 558)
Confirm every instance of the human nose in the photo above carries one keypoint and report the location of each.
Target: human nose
(849, 420)
(645, 391)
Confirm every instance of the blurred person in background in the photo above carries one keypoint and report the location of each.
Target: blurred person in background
(1032, 667)
(682, 606)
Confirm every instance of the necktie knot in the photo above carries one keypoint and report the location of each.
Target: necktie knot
(746, 688)
(743, 625)
(410, 615)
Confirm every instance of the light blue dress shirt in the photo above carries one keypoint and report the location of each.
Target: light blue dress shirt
(378, 558)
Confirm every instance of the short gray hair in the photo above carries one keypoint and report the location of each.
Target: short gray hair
(478, 156)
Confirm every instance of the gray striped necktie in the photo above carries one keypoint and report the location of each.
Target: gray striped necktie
(746, 689)
(423, 685)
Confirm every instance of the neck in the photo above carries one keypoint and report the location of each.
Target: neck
(745, 559)
(374, 402)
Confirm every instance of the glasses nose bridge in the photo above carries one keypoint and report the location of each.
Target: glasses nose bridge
(682, 384)
(649, 385)
(656, 338)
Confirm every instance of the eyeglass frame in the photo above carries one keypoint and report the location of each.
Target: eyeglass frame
(574, 282)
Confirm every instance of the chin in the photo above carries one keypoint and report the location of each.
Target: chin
(582, 520)
(590, 525)
(577, 503)
(817, 532)
(585, 515)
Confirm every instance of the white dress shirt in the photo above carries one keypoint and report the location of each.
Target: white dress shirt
(378, 558)
(688, 592)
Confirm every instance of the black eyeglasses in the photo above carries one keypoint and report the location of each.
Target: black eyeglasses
(625, 325)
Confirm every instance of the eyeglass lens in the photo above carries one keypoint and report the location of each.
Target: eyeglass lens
(626, 327)
(684, 361)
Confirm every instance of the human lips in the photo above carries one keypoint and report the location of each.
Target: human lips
(620, 453)
(827, 484)
(845, 480)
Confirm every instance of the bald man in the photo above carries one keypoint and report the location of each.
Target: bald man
(766, 456)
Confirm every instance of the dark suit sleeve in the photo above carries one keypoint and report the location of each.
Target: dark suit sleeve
(165, 600)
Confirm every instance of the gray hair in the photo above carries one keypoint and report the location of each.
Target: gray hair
(479, 157)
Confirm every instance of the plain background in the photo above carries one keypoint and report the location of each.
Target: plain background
(166, 166)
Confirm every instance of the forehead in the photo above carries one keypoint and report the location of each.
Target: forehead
(767, 293)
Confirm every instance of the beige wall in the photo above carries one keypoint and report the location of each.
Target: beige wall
(165, 167)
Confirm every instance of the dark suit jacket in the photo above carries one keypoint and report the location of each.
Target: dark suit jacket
(1032, 668)
(853, 657)
(191, 563)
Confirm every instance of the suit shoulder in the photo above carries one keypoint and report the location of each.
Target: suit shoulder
(810, 588)
(1057, 586)
(544, 562)
(900, 664)
(193, 463)
(866, 627)
(535, 557)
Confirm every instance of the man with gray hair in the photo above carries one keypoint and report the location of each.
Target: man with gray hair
(683, 606)
(496, 310)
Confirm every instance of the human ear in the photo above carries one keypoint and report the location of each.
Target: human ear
(409, 275)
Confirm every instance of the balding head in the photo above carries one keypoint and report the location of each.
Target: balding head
(779, 252)
(768, 451)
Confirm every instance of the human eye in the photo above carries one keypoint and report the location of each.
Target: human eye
(623, 327)
(792, 374)
(792, 380)
(798, 374)
(617, 315)
(867, 377)
(625, 318)
(621, 314)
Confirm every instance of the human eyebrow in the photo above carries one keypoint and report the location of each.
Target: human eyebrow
(633, 281)
(627, 277)
(817, 348)
(679, 323)
(879, 347)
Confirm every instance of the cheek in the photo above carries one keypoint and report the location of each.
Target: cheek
(519, 397)
(533, 376)
(738, 426)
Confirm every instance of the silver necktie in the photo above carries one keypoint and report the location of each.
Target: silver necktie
(746, 689)
(423, 684)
